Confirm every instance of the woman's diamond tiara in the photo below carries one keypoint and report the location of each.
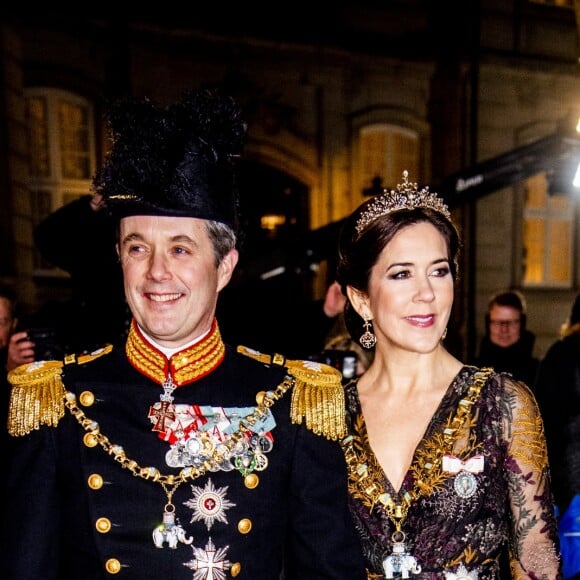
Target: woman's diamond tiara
(407, 196)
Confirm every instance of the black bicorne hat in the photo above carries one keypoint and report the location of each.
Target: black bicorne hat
(174, 161)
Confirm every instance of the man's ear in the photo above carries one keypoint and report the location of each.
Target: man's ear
(359, 301)
(226, 268)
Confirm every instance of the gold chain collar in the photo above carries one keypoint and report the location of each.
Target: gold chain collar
(94, 437)
(170, 482)
(365, 479)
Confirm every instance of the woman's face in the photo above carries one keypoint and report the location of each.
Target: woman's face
(410, 292)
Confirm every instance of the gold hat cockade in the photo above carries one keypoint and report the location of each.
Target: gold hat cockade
(406, 196)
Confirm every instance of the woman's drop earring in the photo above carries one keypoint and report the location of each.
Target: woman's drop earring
(367, 339)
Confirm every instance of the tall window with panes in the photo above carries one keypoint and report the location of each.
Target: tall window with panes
(385, 152)
(62, 151)
(549, 233)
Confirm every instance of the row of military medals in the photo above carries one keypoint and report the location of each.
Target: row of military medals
(247, 455)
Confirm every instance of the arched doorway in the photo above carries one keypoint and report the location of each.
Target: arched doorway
(274, 219)
(271, 291)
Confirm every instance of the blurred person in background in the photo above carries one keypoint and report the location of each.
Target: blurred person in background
(508, 345)
(339, 348)
(15, 347)
(8, 319)
(79, 238)
(557, 389)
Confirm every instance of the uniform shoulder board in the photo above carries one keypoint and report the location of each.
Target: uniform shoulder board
(82, 359)
(317, 396)
(36, 398)
(259, 356)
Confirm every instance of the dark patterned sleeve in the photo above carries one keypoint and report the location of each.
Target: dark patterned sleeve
(534, 532)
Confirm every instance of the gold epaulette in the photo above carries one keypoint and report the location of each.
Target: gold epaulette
(317, 396)
(37, 396)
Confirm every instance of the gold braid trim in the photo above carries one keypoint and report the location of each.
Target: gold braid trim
(261, 357)
(37, 397)
(184, 366)
(144, 357)
(317, 396)
(318, 399)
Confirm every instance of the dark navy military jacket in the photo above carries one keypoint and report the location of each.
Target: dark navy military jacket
(74, 512)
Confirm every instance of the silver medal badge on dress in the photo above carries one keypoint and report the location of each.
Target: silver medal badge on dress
(465, 482)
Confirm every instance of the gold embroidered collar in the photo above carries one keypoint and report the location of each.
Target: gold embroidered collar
(185, 366)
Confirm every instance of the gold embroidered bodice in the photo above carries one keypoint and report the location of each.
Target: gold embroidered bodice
(452, 531)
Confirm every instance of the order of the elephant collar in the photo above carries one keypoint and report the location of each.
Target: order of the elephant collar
(184, 366)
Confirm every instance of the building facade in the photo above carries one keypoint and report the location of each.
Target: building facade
(336, 105)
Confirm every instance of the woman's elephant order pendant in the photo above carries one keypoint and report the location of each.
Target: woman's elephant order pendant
(400, 562)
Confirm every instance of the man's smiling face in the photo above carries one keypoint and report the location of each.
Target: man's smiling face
(171, 280)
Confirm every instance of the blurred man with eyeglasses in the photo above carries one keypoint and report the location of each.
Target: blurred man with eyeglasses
(12, 354)
(508, 345)
(8, 318)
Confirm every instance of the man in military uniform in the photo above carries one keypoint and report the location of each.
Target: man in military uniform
(177, 456)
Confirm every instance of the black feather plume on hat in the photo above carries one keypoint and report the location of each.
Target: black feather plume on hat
(174, 161)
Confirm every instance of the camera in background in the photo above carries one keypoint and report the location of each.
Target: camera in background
(47, 345)
(343, 360)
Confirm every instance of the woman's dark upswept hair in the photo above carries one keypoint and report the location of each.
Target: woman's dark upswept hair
(357, 254)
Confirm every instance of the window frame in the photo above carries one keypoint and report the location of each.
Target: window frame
(551, 215)
(392, 165)
(53, 190)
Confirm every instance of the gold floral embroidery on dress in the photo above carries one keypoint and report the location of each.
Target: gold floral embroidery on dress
(365, 475)
(528, 443)
(468, 556)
